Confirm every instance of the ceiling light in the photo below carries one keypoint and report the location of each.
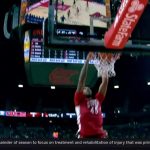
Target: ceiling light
(20, 85)
(53, 87)
(116, 86)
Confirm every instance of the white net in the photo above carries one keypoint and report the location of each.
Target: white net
(105, 63)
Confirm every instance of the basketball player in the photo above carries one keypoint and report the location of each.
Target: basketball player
(77, 11)
(68, 13)
(88, 109)
(62, 4)
(87, 3)
(74, 2)
(63, 19)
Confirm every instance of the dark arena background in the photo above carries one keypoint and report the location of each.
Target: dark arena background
(37, 82)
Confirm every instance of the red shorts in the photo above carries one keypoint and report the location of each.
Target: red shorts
(103, 134)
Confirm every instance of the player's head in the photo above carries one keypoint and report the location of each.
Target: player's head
(87, 92)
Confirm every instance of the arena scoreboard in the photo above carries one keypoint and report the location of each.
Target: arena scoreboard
(49, 66)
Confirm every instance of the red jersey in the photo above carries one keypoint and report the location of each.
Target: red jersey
(89, 115)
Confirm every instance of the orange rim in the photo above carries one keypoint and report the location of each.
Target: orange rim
(108, 56)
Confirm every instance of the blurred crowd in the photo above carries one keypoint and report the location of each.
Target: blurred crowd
(129, 131)
(25, 132)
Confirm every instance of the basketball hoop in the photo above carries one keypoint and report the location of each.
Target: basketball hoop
(104, 62)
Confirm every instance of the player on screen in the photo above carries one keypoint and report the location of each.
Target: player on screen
(68, 13)
(74, 2)
(88, 109)
(63, 18)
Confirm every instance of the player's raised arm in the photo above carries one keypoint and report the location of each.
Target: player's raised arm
(104, 84)
(83, 73)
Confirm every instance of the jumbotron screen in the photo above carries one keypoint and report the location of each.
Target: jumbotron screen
(47, 66)
(72, 12)
(82, 18)
(80, 12)
(33, 11)
(35, 50)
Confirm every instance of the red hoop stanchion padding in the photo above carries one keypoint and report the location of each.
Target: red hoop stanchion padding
(126, 19)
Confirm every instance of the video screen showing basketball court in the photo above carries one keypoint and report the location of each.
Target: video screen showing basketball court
(72, 12)
(78, 12)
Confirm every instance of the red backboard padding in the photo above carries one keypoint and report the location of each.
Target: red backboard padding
(126, 19)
